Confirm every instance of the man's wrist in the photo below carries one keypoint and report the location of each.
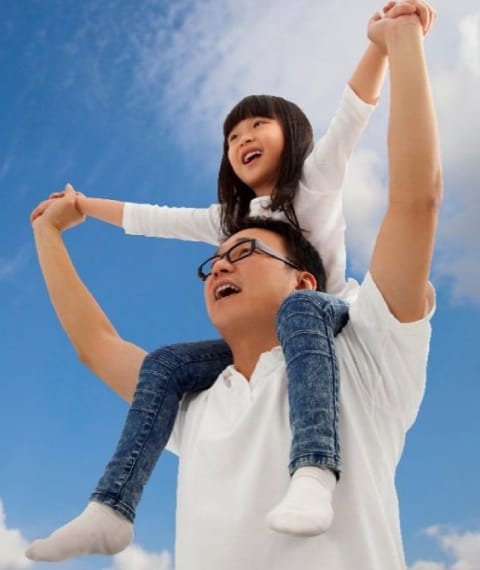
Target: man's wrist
(403, 33)
(44, 228)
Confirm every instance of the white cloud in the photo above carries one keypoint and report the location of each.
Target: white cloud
(364, 203)
(470, 48)
(135, 558)
(428, 566)
(221, 51)
(12, 546)
(464, 549)
(219, 54)
(198, 60)
(457, 92)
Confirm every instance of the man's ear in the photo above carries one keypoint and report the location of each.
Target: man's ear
(306, 280)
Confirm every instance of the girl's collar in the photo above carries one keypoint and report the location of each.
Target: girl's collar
(261, 201)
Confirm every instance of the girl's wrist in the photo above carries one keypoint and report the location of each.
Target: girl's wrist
(378, 50)
(81, 203)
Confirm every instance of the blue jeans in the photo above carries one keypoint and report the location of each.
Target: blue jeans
(306, 325)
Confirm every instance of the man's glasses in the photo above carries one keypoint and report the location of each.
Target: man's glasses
(239, 251)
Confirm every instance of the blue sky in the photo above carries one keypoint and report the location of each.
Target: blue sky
(126, 100)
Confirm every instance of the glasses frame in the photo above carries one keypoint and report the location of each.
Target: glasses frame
(255, 245)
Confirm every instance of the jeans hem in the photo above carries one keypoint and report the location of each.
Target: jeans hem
(313, 460)
(124, 510)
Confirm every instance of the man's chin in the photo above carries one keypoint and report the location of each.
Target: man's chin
(226, 318)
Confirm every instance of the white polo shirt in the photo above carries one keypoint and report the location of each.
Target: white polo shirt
(233, 441)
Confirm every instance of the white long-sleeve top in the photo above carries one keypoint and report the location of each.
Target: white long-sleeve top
(317, 203)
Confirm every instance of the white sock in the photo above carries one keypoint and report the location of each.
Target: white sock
(98, 530)
(306, 509)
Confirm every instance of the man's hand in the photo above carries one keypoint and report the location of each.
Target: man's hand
(59, 211)
(395, 14)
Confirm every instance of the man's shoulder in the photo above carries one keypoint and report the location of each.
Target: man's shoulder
(383, 359)
(370, 301)
(374, 331)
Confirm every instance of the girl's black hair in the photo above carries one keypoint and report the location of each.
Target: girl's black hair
(235, 196)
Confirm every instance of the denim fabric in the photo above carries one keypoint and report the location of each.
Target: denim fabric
(165, 376)
(306, 325)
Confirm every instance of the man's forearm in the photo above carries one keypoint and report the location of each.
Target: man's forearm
(414, 155)
(402, 255)
(367, 79)
(80, 315)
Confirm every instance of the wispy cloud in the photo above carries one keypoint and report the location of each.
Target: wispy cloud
(135, 558)
(201, 60)
(463, 549)
(9, 267)
(12, 546)
(5, 165)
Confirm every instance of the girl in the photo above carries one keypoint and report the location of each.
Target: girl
(269, 167)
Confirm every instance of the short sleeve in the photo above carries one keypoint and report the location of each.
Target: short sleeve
(390, 356)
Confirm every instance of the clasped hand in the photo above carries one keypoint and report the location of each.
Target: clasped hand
(59, 211)
(395, 14)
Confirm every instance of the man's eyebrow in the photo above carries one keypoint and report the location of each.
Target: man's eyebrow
(238, 240)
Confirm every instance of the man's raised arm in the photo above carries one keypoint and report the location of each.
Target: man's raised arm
(97, 343)
(402, 256)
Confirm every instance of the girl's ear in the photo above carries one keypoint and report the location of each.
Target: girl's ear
(306, 280)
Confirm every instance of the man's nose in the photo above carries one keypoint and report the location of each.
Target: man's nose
(221, 265)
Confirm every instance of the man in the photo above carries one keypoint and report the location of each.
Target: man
(233, 440)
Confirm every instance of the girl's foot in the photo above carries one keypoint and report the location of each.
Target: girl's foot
(306, 509)
(98, 530)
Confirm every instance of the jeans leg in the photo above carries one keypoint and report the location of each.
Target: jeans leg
(165, 376)
(306, 325)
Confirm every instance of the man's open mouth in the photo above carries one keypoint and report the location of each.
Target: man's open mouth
(225, 290)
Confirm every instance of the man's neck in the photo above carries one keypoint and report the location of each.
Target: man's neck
(247, 348)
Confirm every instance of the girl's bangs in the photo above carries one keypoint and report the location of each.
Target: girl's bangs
(251, 106)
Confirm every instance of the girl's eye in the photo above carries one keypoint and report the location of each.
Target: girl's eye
(258, 122)
(232, 137)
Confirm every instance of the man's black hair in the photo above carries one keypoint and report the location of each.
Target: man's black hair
(299, 249)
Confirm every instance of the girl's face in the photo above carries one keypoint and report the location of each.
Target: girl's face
(255, 148)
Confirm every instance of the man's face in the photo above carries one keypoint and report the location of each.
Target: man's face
(261, 283)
